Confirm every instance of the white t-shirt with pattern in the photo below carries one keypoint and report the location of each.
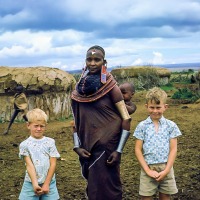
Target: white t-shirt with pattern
(40, 151)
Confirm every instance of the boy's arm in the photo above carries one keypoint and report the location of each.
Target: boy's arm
(32, 173)
(139, 155)
(50, 174)
(171, 159)
(141, 160)
(172, 154)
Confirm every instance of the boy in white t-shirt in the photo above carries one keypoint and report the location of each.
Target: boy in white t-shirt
(40, 155)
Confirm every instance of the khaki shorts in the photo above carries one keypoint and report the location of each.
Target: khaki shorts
(149, 186)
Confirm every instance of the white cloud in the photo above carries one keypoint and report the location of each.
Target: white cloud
(158, 58)
(59, 65)
(138, 61)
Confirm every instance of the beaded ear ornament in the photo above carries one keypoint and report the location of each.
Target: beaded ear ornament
(103, 74)
(103, 70)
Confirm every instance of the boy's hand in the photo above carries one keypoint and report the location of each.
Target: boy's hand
(38, 190)
(45, 188)
(161, 176)
(153, 174)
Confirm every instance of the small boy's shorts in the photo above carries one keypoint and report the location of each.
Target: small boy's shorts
(149, 186)
(27, 192)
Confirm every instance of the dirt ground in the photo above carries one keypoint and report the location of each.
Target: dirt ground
(70, 183)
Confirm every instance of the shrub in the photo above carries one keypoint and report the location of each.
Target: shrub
(185, 94)
(77, 77)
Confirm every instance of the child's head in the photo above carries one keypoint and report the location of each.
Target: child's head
(156, 102)
(36, 115)
(156, 95)
(128, 90)
(37, 121)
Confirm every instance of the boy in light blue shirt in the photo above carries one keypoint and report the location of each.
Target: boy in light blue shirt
(156, 148)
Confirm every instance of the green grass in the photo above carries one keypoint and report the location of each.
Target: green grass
(168, 87)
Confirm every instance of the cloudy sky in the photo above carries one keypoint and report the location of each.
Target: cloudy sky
(132, 32)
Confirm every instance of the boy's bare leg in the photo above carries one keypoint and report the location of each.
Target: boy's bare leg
(146, 198)
(164, 196)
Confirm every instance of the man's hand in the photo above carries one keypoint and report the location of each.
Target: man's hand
(114, 158)
(83, 153)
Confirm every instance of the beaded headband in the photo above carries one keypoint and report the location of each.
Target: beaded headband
(95, 50)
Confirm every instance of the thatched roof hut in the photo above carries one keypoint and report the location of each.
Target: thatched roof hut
(140, 70)
(46, 78)
(142, 73)
(46, 88)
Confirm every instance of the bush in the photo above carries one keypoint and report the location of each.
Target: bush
(77, 77)
(185, 94)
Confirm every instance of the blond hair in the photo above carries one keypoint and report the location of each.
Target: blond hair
(36, 115)
(156, 95)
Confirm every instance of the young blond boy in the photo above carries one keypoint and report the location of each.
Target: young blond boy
(40, 155)
(156, 148)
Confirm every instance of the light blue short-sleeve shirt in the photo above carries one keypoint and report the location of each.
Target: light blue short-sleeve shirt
(40, 151)
(156, 145)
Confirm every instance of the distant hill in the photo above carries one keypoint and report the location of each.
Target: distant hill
(182, 66)
(171, 67)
